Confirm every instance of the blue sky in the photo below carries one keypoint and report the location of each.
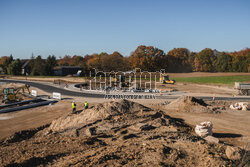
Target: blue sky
(60, 27)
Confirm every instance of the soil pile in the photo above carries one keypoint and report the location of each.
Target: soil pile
(97, 113)
(119, 133)
(188, 104)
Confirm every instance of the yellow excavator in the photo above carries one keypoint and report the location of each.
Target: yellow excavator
(165, 80)
(11, 94)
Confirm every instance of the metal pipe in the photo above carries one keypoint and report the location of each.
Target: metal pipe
(21, 102)
(27, 106)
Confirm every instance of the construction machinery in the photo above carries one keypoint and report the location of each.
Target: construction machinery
(117, 80)
(243, 88)
(165, 80)
(120, 80)
(10, 95)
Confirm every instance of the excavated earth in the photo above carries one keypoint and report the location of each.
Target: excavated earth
(121, 133)
(192, 104)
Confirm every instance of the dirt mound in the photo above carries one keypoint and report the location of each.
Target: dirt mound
(97, 113)
(188, 104)
(120, 133)
(24, 135)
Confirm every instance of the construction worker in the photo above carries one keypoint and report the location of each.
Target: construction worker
(86, 104)
(73, 106)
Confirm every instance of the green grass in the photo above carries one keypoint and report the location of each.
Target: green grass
(228, 80)
(218, 80)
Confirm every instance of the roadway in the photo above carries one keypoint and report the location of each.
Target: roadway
(51, 89)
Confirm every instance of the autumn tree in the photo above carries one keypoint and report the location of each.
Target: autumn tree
(77, 61)
(3, 59)
(191, 60)
(241, 60)
(178, 60)
(148, 58)
(65, 61)
(205, 60)
(7, 61)
(96, 61)
(114, 62)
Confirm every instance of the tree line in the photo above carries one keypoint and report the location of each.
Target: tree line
(147, 58)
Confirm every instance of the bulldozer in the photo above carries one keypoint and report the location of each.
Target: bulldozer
(165, 80)
(10, 95)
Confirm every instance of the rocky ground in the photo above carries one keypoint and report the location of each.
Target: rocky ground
(121, 133)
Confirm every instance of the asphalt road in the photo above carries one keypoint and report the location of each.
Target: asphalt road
(51, 89)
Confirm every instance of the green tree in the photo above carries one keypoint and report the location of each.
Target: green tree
(38, 66)
(14, 68)
(49, 65)
(223, 62)
(205, 61)
(241, 63)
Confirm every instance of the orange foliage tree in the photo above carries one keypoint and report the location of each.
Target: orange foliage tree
(178, 60)
(148, 58)
(241, 60)
(205, 60)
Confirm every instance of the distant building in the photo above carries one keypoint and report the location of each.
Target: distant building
(67, 70)
(26, 67)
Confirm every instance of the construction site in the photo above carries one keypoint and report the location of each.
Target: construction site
(183, 125)
(124, 83)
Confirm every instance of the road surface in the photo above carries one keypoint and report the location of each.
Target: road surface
(51, 89)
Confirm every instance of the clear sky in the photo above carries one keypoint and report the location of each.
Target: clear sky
(60, 27)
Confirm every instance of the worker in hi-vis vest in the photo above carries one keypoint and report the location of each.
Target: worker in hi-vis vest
(73, 106)
(86, 104)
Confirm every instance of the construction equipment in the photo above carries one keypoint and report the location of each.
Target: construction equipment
(243, 88)
(120, 80)
(11, 94)
(117, 80)
(165, 80)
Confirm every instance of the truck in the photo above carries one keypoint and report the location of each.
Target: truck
(243, 88)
